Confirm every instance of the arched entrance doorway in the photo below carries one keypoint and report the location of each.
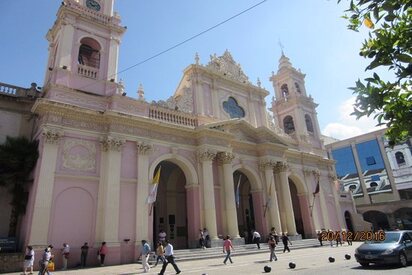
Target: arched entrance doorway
(348, 220)
(296, 208)
(244, 203)
(378, 219)
(170, 210)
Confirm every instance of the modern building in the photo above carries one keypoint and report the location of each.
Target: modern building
(377, 176)
(213, 140)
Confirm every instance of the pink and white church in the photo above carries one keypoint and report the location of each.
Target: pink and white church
(99, 149)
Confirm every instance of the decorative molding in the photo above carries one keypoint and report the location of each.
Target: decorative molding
(144, 148)
(51, 136)
(206, 155)
(281, 167)
(83, 162)
(111, 143)
(227, 66)
(225, 157)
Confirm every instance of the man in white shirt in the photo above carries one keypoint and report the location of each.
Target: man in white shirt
(65, 255)
(169, 258)
(256, 238)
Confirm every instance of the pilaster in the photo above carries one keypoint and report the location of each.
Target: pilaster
(109, 191)
(322, 200)
(38, 235)
(144, 150)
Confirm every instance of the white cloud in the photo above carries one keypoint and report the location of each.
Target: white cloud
(347, 125)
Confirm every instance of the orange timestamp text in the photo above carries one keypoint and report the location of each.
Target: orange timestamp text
(353, 235)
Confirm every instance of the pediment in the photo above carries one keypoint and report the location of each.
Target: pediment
(241, 130)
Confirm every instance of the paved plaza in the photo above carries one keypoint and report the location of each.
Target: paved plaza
(308, 261)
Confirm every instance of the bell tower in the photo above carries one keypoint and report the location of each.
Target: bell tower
(84, 46)
(294, 110)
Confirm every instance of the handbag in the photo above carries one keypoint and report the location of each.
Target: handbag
(98, 257)
(50, 266)
(27, 257)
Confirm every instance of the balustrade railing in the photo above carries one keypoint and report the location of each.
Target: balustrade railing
(11, 90)
(171, 116)
(97, 15)
(87, 71)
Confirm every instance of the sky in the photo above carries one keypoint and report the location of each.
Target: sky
(313, 35)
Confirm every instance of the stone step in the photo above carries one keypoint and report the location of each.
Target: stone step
(245, 249)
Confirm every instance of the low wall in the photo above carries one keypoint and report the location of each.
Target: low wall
(11, 262)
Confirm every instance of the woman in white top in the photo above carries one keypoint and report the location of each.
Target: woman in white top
(28, 260)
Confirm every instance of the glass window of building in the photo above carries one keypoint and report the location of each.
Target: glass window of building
(400, 158)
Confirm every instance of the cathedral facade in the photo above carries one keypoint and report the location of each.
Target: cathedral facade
(226, 163)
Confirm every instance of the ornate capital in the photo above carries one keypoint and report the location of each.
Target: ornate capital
(316, 173)
(51, 136)
(225, 157)
(111, 143)
(206, 155)
(332, 177)
(144, 148)
(281, 167)
(267, 164)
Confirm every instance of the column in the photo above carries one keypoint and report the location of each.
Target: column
(39, 229)
(335, 186)
(281, 169)
(142, 191)
(206, 157)
(109, 191)
(322, 195)
(312, 202)
(366, 198)
(388, 169)
(226, 159)
(272, 206)
(113, 59)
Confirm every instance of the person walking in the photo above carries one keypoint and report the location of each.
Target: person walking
(349, 237)
(320, 238)
(227, 248)
(202, 239)
(207, 237)
(286, 242)
(65, 255)
(44, 262)
(162, 235)
(28, 260)
(145, 254)
(256, 238)
(272, 246)
(83, 255)
(160, 252)
(101, 253)
(170, 258)
(338, 239)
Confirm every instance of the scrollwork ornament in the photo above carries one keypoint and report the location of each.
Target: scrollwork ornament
(225, 157)
(51, 136)
(267, 164)
(144, 148)
(206, 155)
(110, 143)
(281, 167)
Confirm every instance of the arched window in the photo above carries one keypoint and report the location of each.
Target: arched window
(288, 125)
(89, 53)
(400, 158)
(285, 90)
(373, 184)
(309, 125)
(297, 88)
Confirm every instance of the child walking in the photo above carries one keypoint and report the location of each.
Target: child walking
(160, 252)
(227, 247)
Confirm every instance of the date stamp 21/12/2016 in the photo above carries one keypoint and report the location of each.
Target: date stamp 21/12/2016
(353, 235)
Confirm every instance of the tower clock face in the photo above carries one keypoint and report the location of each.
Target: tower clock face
(92, 4)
